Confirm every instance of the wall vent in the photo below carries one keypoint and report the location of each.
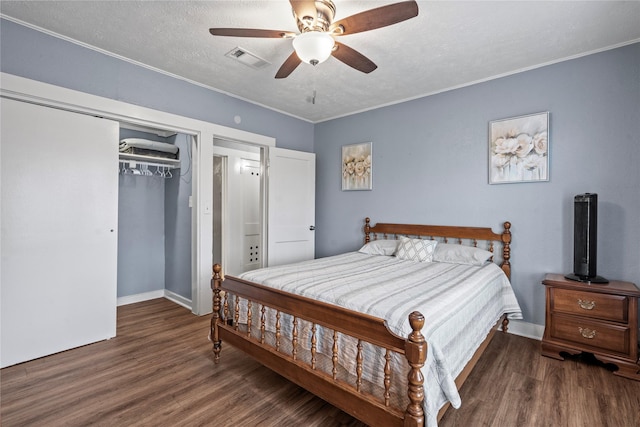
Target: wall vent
(247, 58)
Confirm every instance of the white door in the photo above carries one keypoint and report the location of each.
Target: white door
(59, 176)
(291, 206)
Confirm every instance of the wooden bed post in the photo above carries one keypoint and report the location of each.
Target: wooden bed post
(216, 282)
(505, 324)
(506, 265)
(367, 229)
(506, 249)
(416, 353)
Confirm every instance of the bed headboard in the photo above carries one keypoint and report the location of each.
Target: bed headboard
(448, 234)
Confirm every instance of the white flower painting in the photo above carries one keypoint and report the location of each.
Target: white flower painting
(356, 167)
(519, 149)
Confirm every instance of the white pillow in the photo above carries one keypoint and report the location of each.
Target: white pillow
(460, 254)
(416, 249)
(380, 247)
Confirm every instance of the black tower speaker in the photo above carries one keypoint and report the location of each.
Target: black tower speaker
(585, 239)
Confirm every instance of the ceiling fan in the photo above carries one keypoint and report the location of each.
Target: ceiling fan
(315, 42)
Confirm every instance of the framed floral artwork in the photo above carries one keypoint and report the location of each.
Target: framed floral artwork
(356, 167)
(519, 149)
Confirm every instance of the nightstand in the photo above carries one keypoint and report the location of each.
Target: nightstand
(596, 318)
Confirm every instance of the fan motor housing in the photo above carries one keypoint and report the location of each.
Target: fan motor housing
(325, 11)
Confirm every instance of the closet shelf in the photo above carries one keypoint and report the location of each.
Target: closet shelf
(149, 160)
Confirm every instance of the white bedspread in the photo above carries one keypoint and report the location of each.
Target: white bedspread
(461, 303)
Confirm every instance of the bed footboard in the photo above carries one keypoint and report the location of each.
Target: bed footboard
(269, 325)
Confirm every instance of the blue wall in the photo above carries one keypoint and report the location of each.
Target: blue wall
(430, 166)
(154, 225)
(141, 230)
(177, 222)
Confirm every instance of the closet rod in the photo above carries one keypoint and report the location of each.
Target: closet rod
(134, 163)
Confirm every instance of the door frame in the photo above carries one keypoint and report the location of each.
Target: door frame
(203, 133)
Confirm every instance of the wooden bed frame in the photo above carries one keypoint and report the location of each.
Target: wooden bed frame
(370, 409)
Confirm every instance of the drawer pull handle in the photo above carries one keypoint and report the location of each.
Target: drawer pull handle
(587, 305)
(587, 333)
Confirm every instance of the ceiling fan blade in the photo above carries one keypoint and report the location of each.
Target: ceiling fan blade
(304, 8)
(353, 58)
(289, 65)
(375, 18)
(251, 32)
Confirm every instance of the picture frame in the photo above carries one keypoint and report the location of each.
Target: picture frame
(519, 149)
(357, 167)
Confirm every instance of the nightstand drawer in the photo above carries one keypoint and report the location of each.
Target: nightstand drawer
(594, 334)
(591, 304)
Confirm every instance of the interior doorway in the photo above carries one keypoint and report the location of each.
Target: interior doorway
(239, 236)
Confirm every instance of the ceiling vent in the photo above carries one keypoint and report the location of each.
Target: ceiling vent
(247, 58)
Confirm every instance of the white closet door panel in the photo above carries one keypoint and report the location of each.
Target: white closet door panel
(292, 192)
(59, 219)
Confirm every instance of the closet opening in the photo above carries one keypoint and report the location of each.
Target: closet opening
(155, 218)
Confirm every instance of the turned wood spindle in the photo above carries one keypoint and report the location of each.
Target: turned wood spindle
(359, 366)
(278, 333)
(506, 250)
(334, 357)
(367, 230)
(216, 283)
(263, 323)
(236, 314)
(416, 353)
(226, 307)
(387, 377)
(294, 339)
(314, 341)
(505, 324)
(249, 316)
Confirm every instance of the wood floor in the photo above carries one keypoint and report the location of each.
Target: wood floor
(159, 371)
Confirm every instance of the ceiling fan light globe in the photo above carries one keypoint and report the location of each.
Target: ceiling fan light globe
(313, 47)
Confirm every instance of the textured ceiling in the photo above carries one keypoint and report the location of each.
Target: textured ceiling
(450, 44)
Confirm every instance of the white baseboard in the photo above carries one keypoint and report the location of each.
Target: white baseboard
(178, 299)
(146, 296)
(526, 329)
(162, 293)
